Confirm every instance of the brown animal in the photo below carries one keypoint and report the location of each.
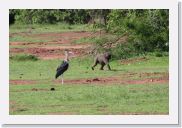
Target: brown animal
(102, 59)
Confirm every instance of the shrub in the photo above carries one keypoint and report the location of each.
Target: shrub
(147, 29)
(123, 51)
(49, 16)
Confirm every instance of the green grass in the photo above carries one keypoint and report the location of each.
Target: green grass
(25, 32)
(81, 68)
(87, 98)
(28, 39)
(85, 40)
(47, 28)
(97, 39)
(18, 46)
(90, 99)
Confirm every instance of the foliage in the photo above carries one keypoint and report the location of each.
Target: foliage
(42, 16)
(148, 30)
(51, 16)
(123, 51)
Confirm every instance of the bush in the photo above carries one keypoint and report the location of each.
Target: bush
(158, 54)
(147, 29)
(123, 51)
(49, 16)
(23, 57)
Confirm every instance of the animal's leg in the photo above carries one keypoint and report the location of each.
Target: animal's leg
(102, 66)
(108, 66)
(105, 62)
(95, 64)
(62, 80)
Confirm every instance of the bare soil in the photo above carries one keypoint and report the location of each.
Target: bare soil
(123, 79)
(117, 80)
(22, 82)
(55, 48)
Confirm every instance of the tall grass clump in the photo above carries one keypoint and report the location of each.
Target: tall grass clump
(23, 57)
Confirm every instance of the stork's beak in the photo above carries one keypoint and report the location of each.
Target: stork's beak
(71, 53)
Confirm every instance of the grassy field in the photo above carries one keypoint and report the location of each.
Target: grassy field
(48, 28)
(89, 99)
(138, 85)
(81, 68)
(24, 31)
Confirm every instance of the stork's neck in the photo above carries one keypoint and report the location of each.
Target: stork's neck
(66, 57)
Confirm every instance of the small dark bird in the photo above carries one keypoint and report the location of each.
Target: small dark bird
(64, 66)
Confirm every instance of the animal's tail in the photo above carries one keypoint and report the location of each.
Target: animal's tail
(58, 74)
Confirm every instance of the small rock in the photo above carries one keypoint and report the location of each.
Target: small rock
(95, 79)
(88, 80)
(52, 89)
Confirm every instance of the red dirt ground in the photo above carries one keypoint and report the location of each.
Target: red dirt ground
(22, 82)
(51, 52)
(122, 79)
(54, 49)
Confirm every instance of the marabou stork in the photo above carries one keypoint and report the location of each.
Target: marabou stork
(63, 66)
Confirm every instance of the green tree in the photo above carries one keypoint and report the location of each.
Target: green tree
(148, 30)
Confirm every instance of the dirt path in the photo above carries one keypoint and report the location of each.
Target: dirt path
(144, 78)
(55, 48)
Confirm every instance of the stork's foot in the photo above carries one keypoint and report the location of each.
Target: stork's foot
(92, 68)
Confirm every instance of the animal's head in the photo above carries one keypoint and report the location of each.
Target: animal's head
(107, 55)
(68, 54)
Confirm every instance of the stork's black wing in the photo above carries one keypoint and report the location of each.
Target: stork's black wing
(62, 68)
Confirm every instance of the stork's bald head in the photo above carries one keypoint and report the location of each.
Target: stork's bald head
(68, 54)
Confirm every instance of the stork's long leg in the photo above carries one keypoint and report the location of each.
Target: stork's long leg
(62, 80)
